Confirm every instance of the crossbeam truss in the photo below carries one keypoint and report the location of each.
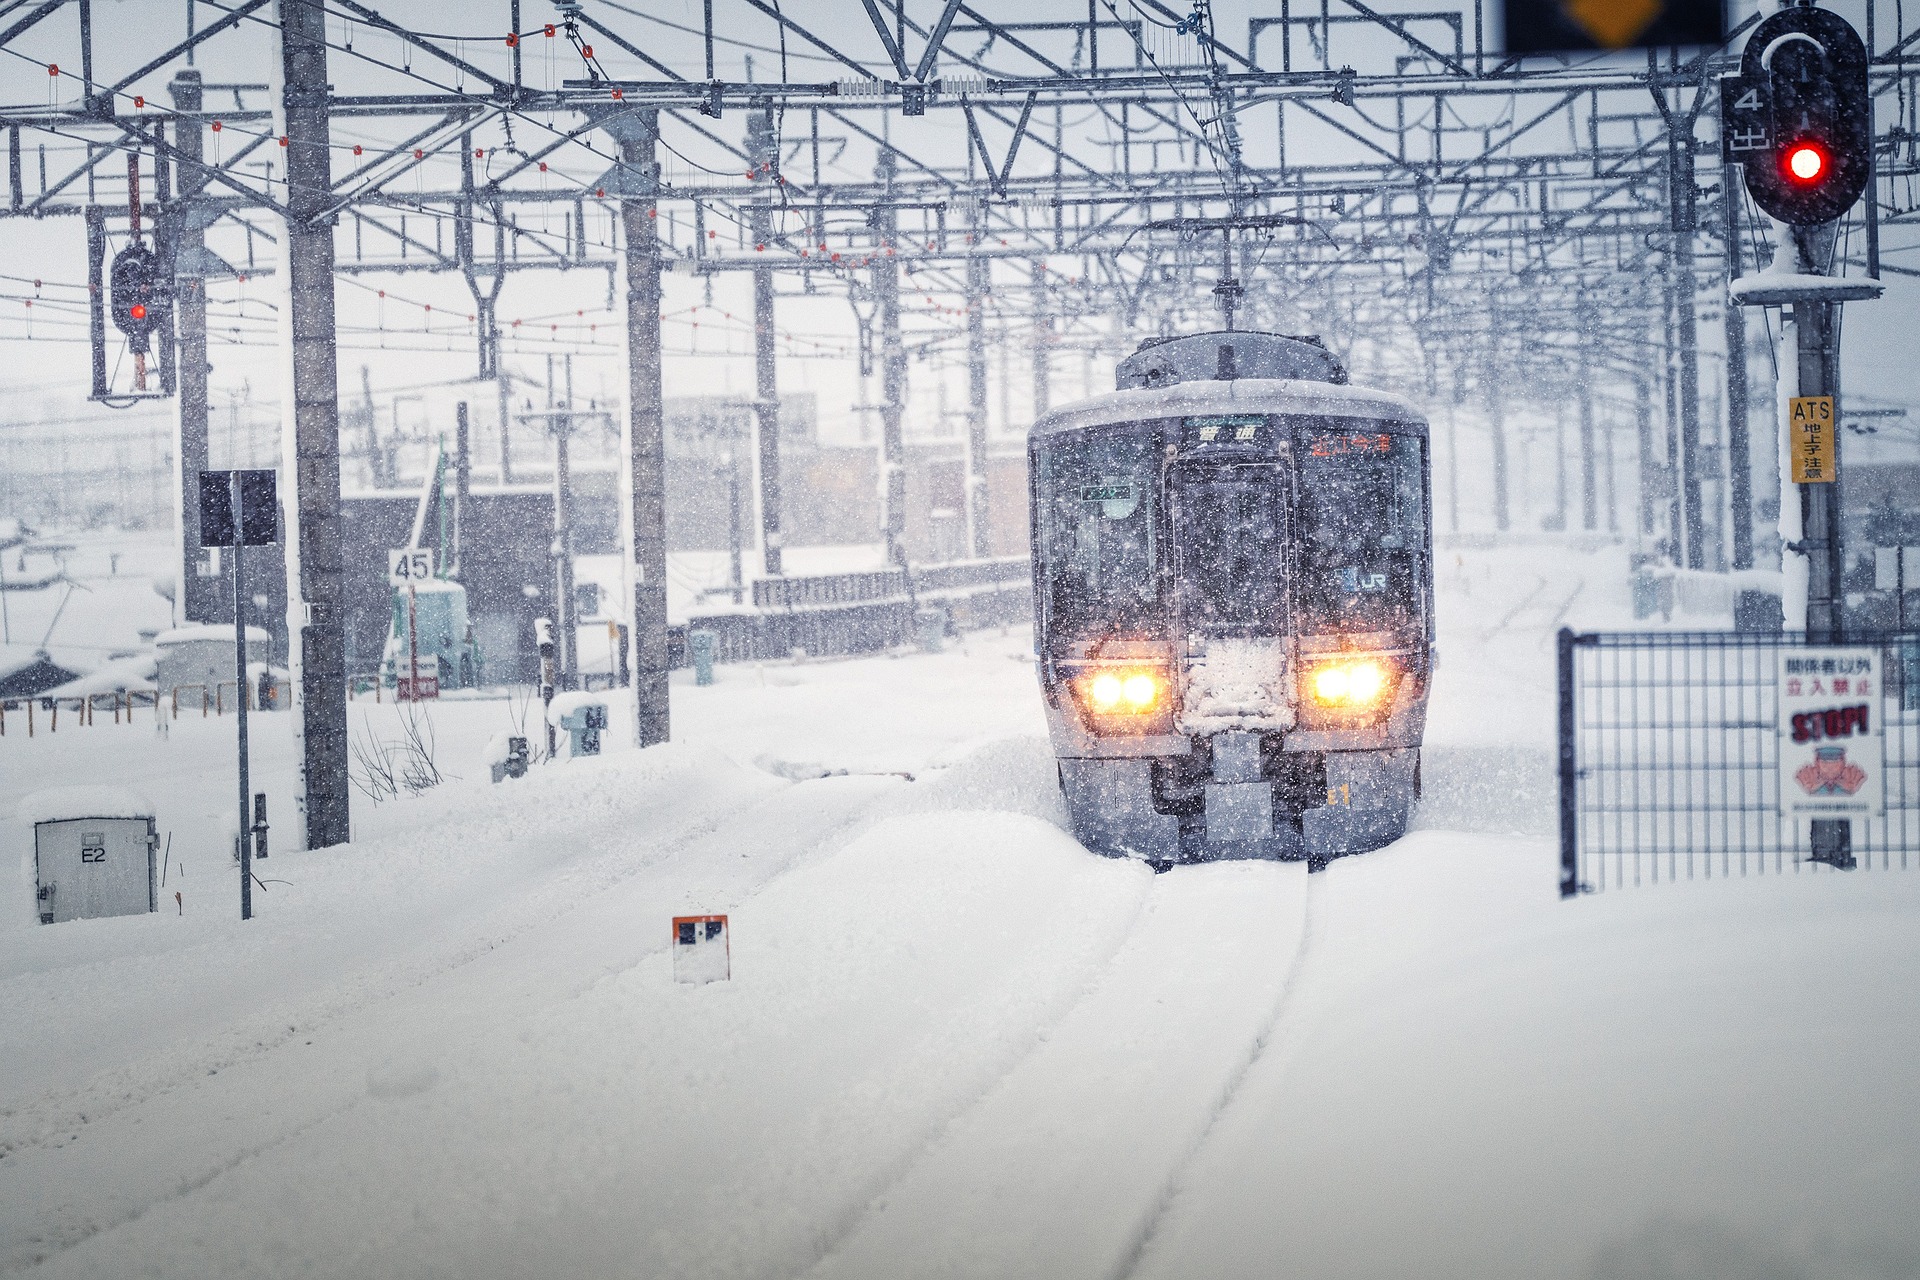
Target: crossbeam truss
(1474, 229)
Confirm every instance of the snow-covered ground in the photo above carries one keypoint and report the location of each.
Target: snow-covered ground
(954, 1043)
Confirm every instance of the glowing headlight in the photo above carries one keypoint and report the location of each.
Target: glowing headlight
(1123, 692)
(1349, 684)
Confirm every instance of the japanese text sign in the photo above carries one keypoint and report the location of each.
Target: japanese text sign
(1832, 757)
(1810, 441)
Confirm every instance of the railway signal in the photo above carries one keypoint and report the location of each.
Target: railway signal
(135, 294)
(1798, 117)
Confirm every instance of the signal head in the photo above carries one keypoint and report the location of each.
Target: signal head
(1797, 117)
(1806, 163)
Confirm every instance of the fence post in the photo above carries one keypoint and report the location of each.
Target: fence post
(1569, 808)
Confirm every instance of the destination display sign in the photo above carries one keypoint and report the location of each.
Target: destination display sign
(1331, 446)
(1245, 430)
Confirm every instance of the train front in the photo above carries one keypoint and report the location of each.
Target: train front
(1233, 599)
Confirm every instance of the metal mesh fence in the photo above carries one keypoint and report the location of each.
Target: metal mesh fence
(1670, 759)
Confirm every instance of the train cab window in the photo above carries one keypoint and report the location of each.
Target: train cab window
(1095, 503)
(1362, 528)
(1229, 528)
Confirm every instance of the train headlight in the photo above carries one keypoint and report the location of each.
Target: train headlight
(1122, 700)
(1140, 691)
(1350, 685)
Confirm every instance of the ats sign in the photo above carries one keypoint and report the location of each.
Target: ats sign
(1831, 757)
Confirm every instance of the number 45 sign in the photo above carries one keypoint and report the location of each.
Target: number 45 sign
(410, 566)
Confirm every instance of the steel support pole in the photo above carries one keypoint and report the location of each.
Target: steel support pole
(315, 613)
(198, 598)
(1589, 459)
(1670, 423)
(505, 396)
(1687, 332)
(241, 683)
(646, 428)
(1818, 362)
(1496, 425)
(462, 485)
(1042, 343)
(566, 626)
(96, 218)
(1739, 461)
(762, 155)
(1560, 504)
(893, 375)
(1831, 839)
(978, 527)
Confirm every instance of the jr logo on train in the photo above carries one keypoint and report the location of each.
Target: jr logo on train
(1233, 589)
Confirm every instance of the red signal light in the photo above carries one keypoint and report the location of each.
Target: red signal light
(137, 311)
(1806, 163)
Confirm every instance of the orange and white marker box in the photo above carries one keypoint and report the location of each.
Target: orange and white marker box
(700, 949)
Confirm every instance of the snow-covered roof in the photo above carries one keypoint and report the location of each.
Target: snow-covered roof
(59, 804)
(1242, 395)
(134, 672)
(207, 631)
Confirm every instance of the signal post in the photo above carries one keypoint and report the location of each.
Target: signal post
(1798, 120)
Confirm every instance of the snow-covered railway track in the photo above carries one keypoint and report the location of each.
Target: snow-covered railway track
(1061, 1169)
(897, 953)
(82, 1158)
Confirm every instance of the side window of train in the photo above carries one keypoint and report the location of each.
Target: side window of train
(1099, 534)
(1362, 522)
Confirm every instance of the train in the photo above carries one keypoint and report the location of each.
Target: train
(1233, 603)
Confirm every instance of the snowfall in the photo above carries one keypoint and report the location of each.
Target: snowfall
(953, 1042)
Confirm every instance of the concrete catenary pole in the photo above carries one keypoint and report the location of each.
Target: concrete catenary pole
(1495, 394)
(197, 597)
(979, 529)
(1588, 323)
(893, 372)
(762, 155)
(311, 438)
(639, 134)
(1042, 342)
(1687, 332)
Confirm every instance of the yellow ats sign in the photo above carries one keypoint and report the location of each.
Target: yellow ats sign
(1810, 439)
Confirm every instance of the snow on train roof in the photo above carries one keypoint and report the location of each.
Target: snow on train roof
(1266, 395)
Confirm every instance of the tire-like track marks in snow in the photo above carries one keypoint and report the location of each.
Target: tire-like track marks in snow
(1271, 1033)
(1062, 1167)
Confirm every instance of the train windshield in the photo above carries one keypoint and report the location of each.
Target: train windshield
(1230, 527)
(1362, 529)
(1096, 508)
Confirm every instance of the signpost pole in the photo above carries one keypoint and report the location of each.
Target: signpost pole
(240, 679)
(1831, 838)
(413, 645)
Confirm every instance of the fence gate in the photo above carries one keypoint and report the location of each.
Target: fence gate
(1704, 754)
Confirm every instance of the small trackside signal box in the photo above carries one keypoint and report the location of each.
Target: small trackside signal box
(700, 949)
(94, 853)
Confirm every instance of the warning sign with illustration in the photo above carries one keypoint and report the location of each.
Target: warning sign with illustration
(1831, 754)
